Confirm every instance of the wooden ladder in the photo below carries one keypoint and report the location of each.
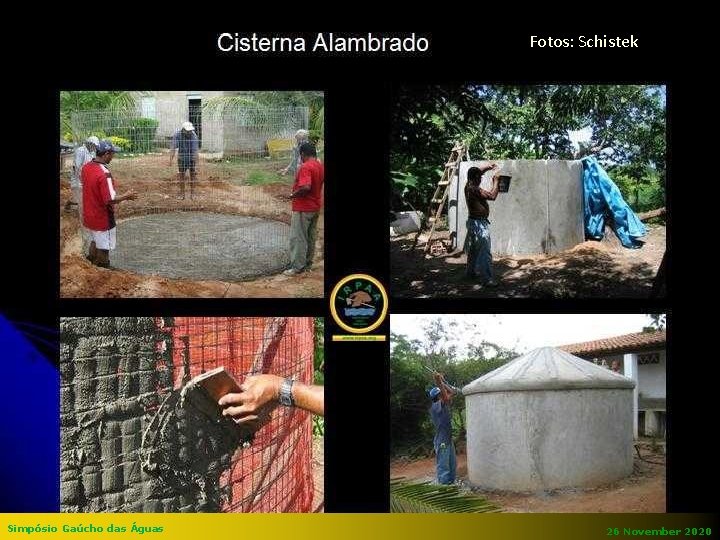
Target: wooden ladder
(439, 198)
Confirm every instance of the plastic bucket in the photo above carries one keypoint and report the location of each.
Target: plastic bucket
(504, 183)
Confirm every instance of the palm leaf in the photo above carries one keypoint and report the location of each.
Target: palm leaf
(409, 497)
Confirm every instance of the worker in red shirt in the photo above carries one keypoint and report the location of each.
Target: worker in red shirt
(306, 202)
(99, 199)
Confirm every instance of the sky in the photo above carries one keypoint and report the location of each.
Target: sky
(524, 332)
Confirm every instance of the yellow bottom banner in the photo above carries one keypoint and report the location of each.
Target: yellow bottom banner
(356, 526)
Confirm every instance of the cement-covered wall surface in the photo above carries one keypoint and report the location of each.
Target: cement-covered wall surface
(112, 370)
(536, 440)
(541, 213)
(134, 438)
(651, 378)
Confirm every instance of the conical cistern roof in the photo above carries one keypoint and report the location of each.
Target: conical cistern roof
(547, 368)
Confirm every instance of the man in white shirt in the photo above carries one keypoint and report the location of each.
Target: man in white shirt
(83, 154)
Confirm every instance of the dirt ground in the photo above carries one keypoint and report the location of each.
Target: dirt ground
(643, 491)
(222, 187)
(318, 469)
(589, 270)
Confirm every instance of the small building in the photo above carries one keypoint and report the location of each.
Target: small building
(642, 357)
(237, 133)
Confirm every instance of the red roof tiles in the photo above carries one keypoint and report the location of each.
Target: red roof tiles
(639, 341)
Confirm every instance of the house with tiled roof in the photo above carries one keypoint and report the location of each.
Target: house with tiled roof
(642, 357)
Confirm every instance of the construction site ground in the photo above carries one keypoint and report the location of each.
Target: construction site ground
(237, 187)
(642, 492)
(592, 269)
(318, 471)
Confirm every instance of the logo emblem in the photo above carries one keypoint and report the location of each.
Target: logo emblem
(359, 303)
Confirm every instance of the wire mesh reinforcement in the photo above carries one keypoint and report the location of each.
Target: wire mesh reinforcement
(202, 245)
(240, 132)
(128, 444)
(236, 172)
(212, 234)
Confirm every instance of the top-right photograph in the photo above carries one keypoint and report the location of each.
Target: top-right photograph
(528, 191)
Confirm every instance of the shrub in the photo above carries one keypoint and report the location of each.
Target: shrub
(123, 143)
(142, 134)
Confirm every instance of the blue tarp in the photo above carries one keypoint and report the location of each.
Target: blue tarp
(602, 200)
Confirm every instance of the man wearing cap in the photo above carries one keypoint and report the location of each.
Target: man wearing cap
(301, 136)
(99, 200)
(306, 198)
(441, 416)
(186, 143)
(83, 154)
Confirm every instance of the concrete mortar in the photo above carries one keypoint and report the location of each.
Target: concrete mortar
(202, 245)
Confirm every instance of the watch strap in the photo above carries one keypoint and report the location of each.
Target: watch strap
(286, 397)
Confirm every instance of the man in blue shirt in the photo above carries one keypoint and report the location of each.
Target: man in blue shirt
(186, 143)
(441, 415)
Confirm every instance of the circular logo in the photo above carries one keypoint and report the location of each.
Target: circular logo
(359, 303)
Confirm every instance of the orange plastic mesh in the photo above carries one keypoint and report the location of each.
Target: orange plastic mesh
(274, 474)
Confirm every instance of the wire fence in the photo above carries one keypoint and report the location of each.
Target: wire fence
(131, 443)
(246, 132)
(197, 216)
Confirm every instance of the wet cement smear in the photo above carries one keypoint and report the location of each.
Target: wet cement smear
(129, 441)
(202, 245)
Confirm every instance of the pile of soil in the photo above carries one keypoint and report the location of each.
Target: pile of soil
(591, 269)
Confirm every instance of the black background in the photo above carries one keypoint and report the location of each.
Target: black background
(358, 90)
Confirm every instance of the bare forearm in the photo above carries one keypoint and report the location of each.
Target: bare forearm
(301, 192)
(309, 398)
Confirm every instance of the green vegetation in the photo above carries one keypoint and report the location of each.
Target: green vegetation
(411, 428)
(424, 497)
(78, 101)
(259, 177)
(530, 122)
(314, 101)
(319, 370)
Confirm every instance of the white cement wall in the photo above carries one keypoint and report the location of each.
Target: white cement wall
(536, 440)
(542, 212)
(651, 378)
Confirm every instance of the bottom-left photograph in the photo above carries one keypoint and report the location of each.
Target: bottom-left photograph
(191, 414)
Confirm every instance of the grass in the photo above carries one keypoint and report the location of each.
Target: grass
(260, 177)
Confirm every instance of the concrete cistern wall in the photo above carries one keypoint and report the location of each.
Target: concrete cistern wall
(548, 420)
(541, 213)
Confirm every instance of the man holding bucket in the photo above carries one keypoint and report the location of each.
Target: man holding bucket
(477, 240)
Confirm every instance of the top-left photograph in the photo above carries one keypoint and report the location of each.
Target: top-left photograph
(191, 194)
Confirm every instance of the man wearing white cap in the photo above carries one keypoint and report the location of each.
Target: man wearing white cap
(83, 154)
(186, 142)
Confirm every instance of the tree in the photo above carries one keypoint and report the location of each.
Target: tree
(526, 122)
(658, 321)
(263, 101)
(410, 380)
(77, 101)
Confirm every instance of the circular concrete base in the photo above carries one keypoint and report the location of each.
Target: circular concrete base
(201, 246)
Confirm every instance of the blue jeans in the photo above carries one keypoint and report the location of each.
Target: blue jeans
(445, 463)
(477, 247)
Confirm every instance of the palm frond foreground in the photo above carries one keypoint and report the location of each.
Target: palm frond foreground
(425, 497)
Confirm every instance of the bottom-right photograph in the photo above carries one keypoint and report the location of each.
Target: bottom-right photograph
(545, 413)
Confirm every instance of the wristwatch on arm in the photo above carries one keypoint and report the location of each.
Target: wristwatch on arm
(286, 397)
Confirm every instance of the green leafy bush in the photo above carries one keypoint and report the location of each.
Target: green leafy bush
(123, 143)
(142, 134)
